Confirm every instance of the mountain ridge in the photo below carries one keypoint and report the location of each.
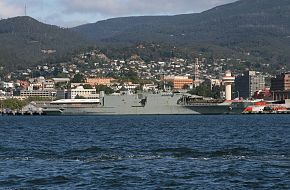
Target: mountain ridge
(259, 27)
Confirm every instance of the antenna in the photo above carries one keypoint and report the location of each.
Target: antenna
(196, 72)
(25, 10)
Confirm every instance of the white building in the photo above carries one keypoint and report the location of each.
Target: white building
(78, 91)
(48, 85)
(6, 84)
(36, 93)
(61, 80)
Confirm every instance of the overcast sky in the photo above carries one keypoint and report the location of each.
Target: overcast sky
(68, 13)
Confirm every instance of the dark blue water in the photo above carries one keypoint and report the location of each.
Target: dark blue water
(152, 152)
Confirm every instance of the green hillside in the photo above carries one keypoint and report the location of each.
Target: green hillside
(25, 42)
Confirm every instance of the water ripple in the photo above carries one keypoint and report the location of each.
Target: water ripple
(154, 152)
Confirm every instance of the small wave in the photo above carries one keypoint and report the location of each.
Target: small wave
(23, 154)
(91, 153)
(238, 153)
(103, 158)
(233, 152)
(10, 149)
(49, 180)
(93, 149)
(97, 154)
(85, 152)
(10, 180)
(177, 152)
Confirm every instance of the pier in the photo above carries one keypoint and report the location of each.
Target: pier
(20, 113)
(266, 113)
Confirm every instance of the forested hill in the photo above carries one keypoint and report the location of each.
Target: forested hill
(25, 42)
(259, 27)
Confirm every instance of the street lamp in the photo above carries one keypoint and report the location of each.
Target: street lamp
(238, 94)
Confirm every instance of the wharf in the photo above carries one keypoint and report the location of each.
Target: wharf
(19, 113)
(267, 112)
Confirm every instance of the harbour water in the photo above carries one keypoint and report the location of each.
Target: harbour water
(145, 152)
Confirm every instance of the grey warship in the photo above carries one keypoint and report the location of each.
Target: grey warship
(145, 104)
(161, 103)
(165, 103)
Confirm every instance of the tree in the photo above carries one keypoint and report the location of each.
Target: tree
(123, 89)
(216, 92)
(138, 89)
(87, 86)
(79, 97)
(104, 88)
(170, 84)
(13, 104)
(185, 87)
(202, 90)
(78, 78)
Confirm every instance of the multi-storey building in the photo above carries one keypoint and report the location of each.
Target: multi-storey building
(178, 82)
(99, 81)
(247, 84)
(77, 92)
(281, 82)
(35, 93)
(280, 86)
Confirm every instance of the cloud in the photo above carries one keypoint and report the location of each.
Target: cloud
(10, 9)
(115, 8)
(59, 20)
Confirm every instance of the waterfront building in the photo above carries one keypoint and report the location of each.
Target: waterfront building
(281, 82)
(150, 87)
(263, 94)
(128, 86)
(23, 84)
(12, 97)
(178, 81)
(247, 84)
(61, 80)
(77, 92)
(99, 81)
(6, 85)
(280, 86)
(212, 82)
(35, 93)
(48, 85)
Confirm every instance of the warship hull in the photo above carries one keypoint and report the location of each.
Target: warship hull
(151, 104)
(141, 104)
(226, 108)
